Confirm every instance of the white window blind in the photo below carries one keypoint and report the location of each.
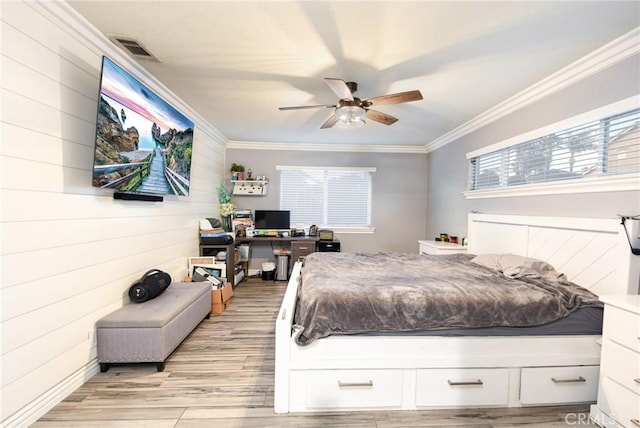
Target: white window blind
(327, 197)
(605, 147)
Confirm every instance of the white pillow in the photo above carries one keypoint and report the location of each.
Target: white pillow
(515, 266)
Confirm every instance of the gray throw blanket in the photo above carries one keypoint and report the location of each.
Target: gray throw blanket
(347, 293)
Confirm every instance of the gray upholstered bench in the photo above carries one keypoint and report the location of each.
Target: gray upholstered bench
(149, 332)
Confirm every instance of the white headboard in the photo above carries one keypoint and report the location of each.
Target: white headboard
(593, 253)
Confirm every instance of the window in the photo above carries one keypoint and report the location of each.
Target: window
(596, 149)
(327, 197)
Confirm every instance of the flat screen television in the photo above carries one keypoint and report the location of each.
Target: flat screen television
(142, 143)
(272, 220)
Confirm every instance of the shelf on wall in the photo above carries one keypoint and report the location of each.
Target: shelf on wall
(250, 187)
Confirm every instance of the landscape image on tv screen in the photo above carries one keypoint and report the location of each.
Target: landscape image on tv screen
(143, 144)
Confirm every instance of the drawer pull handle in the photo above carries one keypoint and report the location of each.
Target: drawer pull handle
(284, 313)
(342, 384)
(579, 379)
(636, 422)
(637, 380)
(463, 383)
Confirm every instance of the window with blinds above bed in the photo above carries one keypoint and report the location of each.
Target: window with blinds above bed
(603, 148)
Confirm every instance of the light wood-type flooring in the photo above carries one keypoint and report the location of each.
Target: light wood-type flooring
(222, 376)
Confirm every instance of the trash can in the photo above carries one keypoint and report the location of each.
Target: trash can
(283, 267)
(268, 271)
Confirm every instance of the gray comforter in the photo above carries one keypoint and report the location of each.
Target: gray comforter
(347, 293)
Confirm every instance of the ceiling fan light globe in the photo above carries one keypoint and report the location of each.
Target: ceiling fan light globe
(350, 117)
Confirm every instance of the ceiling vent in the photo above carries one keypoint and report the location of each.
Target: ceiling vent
(134, 48)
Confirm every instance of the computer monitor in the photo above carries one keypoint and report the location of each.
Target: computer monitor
(272, 220)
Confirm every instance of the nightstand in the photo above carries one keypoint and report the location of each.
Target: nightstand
(619, 389)
(439, 248)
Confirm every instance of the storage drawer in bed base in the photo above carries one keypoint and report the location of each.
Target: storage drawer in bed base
(388, 389)
(348, 389)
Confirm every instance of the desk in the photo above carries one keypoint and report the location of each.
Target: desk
(244, 239)
(300, 246)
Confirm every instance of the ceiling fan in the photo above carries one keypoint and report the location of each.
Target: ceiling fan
(350, 112)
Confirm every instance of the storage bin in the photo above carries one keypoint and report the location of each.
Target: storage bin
(268, 271)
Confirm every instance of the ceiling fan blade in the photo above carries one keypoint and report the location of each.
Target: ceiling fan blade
(305, 107)
(340, 88)
(329, 122)
(400, 97)
(383, 118)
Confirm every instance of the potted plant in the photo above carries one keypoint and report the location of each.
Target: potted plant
(237, 171)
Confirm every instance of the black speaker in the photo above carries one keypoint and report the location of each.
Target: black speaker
(151, 285)
(137, 197)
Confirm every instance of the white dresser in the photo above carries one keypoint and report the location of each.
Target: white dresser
(438, 247)
(619, 390)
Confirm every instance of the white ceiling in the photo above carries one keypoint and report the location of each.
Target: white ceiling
(236, 62)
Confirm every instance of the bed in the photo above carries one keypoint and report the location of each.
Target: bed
(361, 365)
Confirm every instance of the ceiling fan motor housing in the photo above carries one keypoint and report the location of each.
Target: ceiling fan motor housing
(357, 102)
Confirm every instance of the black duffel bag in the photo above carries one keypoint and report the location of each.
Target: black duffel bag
(151, 285)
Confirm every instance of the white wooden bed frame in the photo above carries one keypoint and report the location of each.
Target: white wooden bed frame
(421, 372)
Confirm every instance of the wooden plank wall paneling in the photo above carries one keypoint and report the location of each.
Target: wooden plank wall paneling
(69, 252)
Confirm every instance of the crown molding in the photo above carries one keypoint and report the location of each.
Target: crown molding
(608, 55)
(258, 145)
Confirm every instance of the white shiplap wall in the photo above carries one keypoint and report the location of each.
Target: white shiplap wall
(69, 252)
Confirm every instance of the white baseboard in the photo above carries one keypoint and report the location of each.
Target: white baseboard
(29, 414)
